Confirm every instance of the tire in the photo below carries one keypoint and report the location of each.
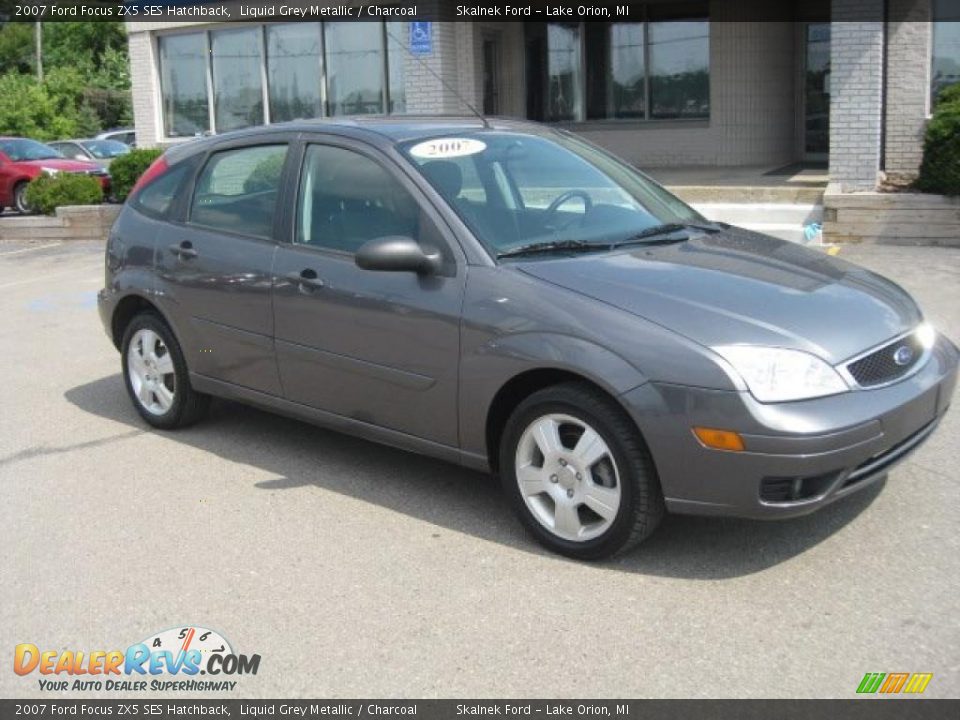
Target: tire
(20, 198)
(156, 379)
(611, 485)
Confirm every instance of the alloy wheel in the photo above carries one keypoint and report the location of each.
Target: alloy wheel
(151, 370)
(568, 477)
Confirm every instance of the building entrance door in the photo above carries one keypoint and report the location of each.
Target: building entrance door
(816, 91)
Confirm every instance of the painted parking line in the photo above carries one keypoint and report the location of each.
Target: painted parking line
(30, 249)
(46, 278)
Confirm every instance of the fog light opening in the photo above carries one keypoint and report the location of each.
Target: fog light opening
(719, 439)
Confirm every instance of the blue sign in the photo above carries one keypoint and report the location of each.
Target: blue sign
(421, 38)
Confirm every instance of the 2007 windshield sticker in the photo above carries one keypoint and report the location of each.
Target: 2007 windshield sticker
(440, 148)
(166, 661)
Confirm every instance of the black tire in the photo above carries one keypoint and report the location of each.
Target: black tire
(20, 198)
(641, 500)
(188, 406)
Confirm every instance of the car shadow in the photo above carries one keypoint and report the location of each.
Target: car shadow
(461, 500)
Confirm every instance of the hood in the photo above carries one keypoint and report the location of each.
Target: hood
(64, 164)
(740, 287)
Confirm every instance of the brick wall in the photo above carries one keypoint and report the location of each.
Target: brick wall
(856, 93)
(908, 86)
(144, 92)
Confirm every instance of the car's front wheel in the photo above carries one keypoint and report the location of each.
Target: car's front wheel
(20, 198)
(578, 473)
(156, 376)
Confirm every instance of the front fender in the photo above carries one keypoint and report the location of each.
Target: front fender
(500, 359)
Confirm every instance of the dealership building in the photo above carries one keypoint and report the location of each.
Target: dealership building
(848, 83)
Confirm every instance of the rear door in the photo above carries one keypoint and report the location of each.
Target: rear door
(380, 347)
(215, 265)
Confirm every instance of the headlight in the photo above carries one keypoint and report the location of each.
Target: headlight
(49, 171)
(926, 335)
(779, 375)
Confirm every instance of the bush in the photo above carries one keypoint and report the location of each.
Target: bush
(940, 169)
(266, 175)
(127, 169)
(48, 192)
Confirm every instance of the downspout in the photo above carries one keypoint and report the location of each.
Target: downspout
(883, 90)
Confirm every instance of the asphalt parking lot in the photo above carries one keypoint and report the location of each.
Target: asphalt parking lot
(356, 570)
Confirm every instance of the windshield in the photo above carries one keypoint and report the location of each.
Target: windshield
(21, 149)
(516, 189)
(106, 149)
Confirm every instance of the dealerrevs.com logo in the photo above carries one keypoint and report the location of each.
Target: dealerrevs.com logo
(172, 660)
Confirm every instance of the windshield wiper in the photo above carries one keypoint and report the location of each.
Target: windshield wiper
(658, 233)
(553, 246)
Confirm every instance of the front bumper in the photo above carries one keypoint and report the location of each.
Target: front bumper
(798, 456)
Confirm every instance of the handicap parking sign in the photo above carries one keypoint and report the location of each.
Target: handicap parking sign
(421, 38)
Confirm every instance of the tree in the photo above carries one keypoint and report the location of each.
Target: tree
(87, 78)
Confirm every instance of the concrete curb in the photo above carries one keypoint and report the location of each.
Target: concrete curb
(72, 222)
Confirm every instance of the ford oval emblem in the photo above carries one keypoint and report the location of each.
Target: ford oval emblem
(903, 355)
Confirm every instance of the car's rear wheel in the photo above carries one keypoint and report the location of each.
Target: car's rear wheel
(156, 375)
(578, 473)
(20, 198)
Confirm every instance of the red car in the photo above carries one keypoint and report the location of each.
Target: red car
(21, 160)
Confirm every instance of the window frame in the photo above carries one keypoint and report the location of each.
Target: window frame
(184, 210)
(294, 175)
(261, 28)
(934, 22)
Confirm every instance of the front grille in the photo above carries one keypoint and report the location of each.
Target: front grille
(890, 362)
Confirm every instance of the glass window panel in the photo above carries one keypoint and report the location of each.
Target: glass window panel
(237, 86)
(183, 84)
(680, 69)
(347, 199)
(157, 197)
(294, 71)
(237, 190)
(564, 82)
(626, 90)
(946, 45)
(397, 33)
(354, 67)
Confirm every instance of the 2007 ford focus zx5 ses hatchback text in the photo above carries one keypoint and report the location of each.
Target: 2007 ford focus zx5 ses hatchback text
(511, 298)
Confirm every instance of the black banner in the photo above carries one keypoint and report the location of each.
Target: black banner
(423, 10)
(875, 709)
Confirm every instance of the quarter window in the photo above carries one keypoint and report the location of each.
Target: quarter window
(237, 190)
(157, 197)
(347, 199)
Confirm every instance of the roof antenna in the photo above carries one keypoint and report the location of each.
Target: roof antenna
(446, 85)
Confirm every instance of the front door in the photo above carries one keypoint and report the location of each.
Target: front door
(215, 268)
(816, 91)
(379, 347)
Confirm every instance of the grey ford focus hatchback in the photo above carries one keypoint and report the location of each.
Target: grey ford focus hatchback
(513, 299)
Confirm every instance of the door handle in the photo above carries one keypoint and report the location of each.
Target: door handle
(184, 250)
(306, 277)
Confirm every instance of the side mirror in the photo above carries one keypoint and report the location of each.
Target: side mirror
(397, 253)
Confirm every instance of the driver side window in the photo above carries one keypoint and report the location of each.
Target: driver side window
(346, 199)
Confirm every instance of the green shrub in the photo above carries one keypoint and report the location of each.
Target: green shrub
(266, 175)
(940, 169)
(48, 192)
(127, 169)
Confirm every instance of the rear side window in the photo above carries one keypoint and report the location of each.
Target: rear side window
(237, 190)
(157, 197)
